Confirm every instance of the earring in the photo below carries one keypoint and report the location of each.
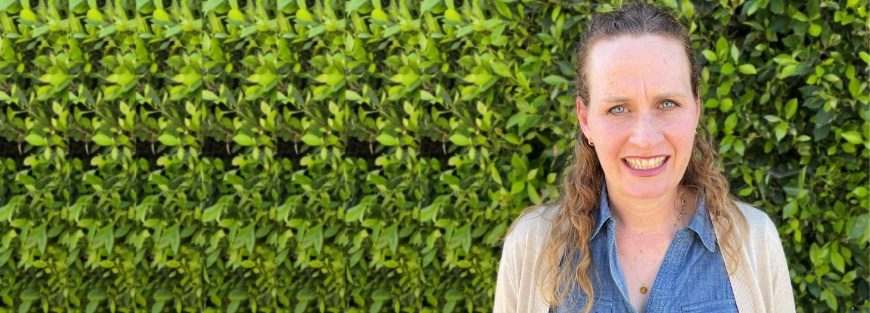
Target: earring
(591, 144)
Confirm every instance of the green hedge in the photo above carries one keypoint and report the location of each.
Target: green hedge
(369, 155)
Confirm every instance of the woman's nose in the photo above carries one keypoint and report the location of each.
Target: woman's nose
(647, 131)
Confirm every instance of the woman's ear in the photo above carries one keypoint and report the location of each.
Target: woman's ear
(581, 116)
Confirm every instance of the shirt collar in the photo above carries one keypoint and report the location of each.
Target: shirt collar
(703, 225)
(603, 212)
(700, 223)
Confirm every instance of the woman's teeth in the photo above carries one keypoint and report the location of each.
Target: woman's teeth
(645, 164)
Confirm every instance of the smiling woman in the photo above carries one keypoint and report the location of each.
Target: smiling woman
(643, 210)
(644, 123)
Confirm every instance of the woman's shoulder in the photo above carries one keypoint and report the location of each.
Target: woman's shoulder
(529, 232)
(532, 225)
(762, 281)
(759, 225)
(751, 212)
(516, 289)
(755, 217)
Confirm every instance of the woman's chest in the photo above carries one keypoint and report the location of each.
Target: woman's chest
(691, 278)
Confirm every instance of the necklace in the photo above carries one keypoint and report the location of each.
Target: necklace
(643, 288)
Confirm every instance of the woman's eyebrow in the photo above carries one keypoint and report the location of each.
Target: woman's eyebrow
(669, 95)
(614, 99)
(661, 96)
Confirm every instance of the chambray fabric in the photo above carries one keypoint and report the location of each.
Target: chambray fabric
(692, 277)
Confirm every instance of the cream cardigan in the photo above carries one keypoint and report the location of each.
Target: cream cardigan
(761, 283)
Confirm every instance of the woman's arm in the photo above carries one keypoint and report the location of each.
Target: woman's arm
(783, 296)
(516, 289)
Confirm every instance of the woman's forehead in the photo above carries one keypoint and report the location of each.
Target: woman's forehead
(647, 61)
(637, 51)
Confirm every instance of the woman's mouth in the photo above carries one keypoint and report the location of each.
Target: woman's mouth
(645, 164)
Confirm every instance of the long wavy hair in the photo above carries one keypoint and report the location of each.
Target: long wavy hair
(558, 275)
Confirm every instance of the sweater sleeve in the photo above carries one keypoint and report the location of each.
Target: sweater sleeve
(506, 285)
(783, 296)
(762, 282)
(516, 290)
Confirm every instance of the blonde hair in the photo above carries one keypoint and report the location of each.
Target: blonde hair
(558, 274)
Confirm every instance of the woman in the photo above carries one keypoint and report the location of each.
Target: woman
(644, 222)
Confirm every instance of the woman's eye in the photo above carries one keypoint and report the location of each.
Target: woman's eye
(618, 109)
(668, 104)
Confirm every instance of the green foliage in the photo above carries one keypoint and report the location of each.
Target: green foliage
(369, 155)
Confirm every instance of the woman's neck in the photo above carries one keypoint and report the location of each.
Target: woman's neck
(650, 216)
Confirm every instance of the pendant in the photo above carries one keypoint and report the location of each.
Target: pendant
(643, 289)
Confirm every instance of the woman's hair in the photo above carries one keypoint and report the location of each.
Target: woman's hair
(560, 274)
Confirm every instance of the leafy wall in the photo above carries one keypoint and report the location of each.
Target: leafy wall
(312, 155)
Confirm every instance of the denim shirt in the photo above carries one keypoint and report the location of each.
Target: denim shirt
(692, 277)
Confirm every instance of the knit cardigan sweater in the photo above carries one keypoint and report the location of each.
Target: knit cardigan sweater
(760, 284)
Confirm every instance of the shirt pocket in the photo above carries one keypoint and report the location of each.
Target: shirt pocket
(723, 306)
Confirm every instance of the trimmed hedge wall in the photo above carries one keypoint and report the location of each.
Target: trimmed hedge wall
(369, 155)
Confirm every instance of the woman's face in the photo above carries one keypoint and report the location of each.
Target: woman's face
(641, 114)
